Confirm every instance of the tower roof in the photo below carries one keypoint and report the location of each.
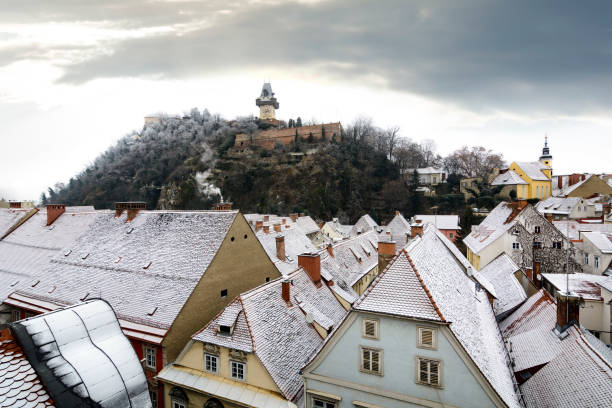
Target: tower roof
(266, 91)
(267, 96)
(545, 150)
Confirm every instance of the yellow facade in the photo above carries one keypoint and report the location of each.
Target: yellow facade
(540, 189)
(473, 259)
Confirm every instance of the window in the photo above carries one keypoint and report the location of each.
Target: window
(237, 369)
(596, 261)
(178, 398)
(210, 363)
(15, 315)
(153, 396)
(451, 235)
(320, 403)
(150, 354)
(516, 245)
(536, 229)
(557, 244)
(537, 245)
(427, 337)
(428, 371)
(371, 360)
(370, 329)
(224, 293)
(586, 259)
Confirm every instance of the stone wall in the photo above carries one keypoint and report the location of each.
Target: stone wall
(268, 138)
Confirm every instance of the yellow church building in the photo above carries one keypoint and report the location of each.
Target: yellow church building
(529, 179)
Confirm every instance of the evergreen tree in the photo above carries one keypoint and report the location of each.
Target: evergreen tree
(322, 133)
(414, 197)
(310, 138)
(298, 122)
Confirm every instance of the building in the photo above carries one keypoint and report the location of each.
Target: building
(165, 273)
(364, 223)
(556, 362)
(581, 185)
(511, 184)
(71, 357)
(447, 224)
(268, 139)
(596, 252)
(267, 103)
(397, 230)
(428, 176)
(336, 231)
(252, 352)
(420, 326)
(518, 230)
(558, 208)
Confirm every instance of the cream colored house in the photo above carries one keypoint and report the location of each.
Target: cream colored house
(251, 354)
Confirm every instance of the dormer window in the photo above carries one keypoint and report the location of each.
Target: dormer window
(225, 330)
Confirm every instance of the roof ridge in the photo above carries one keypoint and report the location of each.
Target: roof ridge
(431, 299)
(274, 282)
(592, 349)
(376, 280)
(246, 319)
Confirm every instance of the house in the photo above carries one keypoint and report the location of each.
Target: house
(581, 185)
(596, 250)
(252, 352)
(573, 229)
(606, 295)
(558, 208)
(301, 222)
(165, 273)
(364, 223)
(447, 224)
(428, 176)
(556, 362)
(419, 327)
(505, 277)
(468, 186)
(11, 218)
(511, 184)
(518, 230)
(587, 287)
(71, 357)
(336, 231)
(35, 237)
(536, 175)
(397, 230)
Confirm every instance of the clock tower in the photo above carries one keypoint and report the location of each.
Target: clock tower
(267, 103)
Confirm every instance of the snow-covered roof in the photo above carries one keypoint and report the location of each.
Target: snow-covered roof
(296, 243)
(27, 251)
(145, 268)
(534, 170)
(425, 170)
(353, 257)
(450, 296)
(280, 336)
(83, 357)
(585, 285)
(443, 222)
(579, 376)
(573, 229)
(557, 205)
(509, 178)
(307, 224)
(19, 383)
(601, 240)
(9, 217)
(537, 311)
(508, 290)
(499, 220)
(607, 283)
(566, 190)
(364, 223)
(398, 230)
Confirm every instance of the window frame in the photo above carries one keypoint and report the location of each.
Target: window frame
(146, 348)
(17, 314)
(434, 337)
(516, 245)
(586, 258)
(244, 370)
(376, 322)
(216, 363)
(557, 245)
(325, 401)
(380, 352)
(536, 229)
(418, 372)
(595, 261)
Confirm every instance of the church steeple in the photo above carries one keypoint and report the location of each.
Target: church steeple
(267, 102)
(546, 157)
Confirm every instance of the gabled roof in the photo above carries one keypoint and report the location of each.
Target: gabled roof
(307, 224)
(353, 257)
(398, 229)
(601, 240)
(443, 222)
(534, 170)
(83, 358)
(296, 243)
(508, 291)
(9, 217)
(146, 269)
(19, 383)
(499, 220)
(280, 336)
(538, 311)
(585, 285)
(509, 178)
(364, 223)
(572, 229)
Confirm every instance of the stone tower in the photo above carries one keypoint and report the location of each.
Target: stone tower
(546, 158)
(267, 102)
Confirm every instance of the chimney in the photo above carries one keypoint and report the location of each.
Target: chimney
(386, 252)
(266, 218)
(397, 212)
(293, 217)
(277, 227)
(568, 310)
(258, 225)
(302, 215)
(222, 206)
(132, 207)
(560, 182)
(54, 211)
(416, 229)
(583, 177)
(537, 279)
(266, 228)
(330, 249)
(529, 273)
(284, 221)
(280, 247)
(286, 291)
(312, 265)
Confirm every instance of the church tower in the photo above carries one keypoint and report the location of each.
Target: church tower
(267, 103)
(546, 158)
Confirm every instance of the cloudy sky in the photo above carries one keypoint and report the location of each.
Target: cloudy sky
(76, 75)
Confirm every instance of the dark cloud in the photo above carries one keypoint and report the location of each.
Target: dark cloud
(537, 56)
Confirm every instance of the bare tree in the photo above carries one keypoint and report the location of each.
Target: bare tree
(474, 162)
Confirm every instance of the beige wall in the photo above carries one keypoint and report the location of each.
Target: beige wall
(591, 315)
(591, 186)
(239, 265)
(362, 284)
(606, 315)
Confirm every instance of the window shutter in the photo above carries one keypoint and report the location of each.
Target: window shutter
(370, 328)
(434, 373)
(423, 371)
(375, 362)
(427, 337)
(366, 359)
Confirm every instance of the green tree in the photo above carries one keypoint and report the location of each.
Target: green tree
(298, 122)
(414, 196)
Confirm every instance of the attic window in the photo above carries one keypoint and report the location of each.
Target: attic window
(146, 266)
(224, 293)
(129, 231)
(225, 330)
(85, 256)
(68, 252)
(427, 337)
(152, 312)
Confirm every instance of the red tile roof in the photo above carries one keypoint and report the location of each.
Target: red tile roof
(19, 383)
